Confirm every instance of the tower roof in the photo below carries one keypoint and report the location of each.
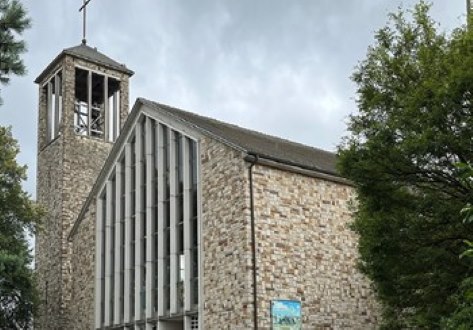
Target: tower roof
(87, 53)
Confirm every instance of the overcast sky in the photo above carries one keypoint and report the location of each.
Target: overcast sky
(278, 66)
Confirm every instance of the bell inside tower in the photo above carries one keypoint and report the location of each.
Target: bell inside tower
(97, 105)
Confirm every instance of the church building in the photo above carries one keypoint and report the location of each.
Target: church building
(159, 218)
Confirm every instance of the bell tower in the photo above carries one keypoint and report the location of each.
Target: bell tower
(83, 103)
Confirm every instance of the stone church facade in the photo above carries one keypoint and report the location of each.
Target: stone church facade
(163, 219)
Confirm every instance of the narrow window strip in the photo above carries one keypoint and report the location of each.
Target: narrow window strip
(139, 290)
(187, 224)
(108, 248)
(98, 262)
(128, 265)
(118, 243)
(150, 238)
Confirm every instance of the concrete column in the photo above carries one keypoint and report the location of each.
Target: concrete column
(128, 224)
(161, 187)
(199, 239)
(150, 239)
(173, 230)
(116, 115)
(138, 220)
(118, 242)
(187, 225)
(108, 250)
(98, 263)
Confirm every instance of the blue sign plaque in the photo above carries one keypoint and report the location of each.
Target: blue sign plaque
(286, 315)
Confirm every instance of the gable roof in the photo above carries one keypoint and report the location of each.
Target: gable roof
(258, 146)
(87, 53)
(253, 142)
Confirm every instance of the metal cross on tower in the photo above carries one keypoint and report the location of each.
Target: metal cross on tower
(83, 9)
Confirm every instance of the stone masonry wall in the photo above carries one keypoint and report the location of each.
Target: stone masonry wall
(307, 252)
(81, 173)
(305, 248)
(83, 272)
(226, 238)
(66, 175)
(48, 255)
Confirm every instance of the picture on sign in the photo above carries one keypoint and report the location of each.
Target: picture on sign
(286, 315)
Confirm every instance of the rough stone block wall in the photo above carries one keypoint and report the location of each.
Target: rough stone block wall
(66, 175)
(48, 240)
(226, 238)
(81, 173)
(307, 252)
(83, 273)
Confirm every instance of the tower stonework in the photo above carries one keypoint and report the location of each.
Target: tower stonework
(83, 103)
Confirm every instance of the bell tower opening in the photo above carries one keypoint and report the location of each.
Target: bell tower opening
(96, 105)
(52, 92)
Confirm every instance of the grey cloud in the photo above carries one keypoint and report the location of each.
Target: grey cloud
(278, 66)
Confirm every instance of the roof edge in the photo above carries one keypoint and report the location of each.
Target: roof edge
(65, 52)
(251, 156)
(49, 68)
(122, 67)
(241, 148)
(295, 168)
(194, 126)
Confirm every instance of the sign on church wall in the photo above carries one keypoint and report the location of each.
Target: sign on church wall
(286, 315)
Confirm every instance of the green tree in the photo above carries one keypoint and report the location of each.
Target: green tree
(462, 317)
(414, 124)
(13, 22)
(18, 216)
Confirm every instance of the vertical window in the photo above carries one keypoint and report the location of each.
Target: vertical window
(102, 260)
(122, 241)
(53, 93)
(148, 216)
(155, 183)
(111, 253)
(113, 91)
(143, 218)
(81, 104)
(167, 220)
(194, 224)
(179, 220)
(135, 232)
(133, 228)
(97, 110)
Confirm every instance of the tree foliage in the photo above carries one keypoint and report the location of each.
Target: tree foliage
(462, 317)
(13, 22)
(414, 125)
(18, 216)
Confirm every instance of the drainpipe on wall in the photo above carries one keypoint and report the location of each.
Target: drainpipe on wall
(253, 159)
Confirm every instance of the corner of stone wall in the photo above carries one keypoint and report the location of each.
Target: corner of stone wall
(226, 237)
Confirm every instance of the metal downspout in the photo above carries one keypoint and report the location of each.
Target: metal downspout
(253, 242)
